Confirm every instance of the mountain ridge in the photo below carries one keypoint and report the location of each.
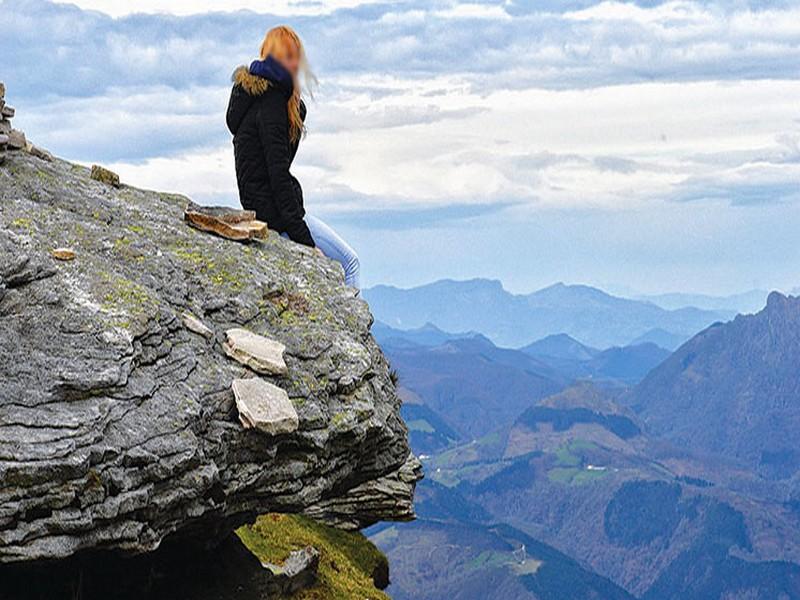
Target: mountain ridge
(587, 314)
(733, 389)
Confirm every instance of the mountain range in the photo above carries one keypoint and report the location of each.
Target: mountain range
(587, 314)
(663, 476)
(467, 387)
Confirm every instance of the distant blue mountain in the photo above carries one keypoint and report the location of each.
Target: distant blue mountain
(662, 338)
(629, 364)
(560, 345)
(567, 355)
(427, 335)
(587, 314)
(744, 303)
(474, 386)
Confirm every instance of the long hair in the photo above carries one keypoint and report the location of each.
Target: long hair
(281, 37)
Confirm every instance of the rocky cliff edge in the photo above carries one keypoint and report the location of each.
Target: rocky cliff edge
(118, 426)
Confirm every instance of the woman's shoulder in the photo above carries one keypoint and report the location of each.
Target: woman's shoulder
(252, 84)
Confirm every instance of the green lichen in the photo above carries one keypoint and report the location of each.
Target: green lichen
(338, 419)
(93, 480)
(22, 223)
(45, 176)
(222, 271)
(121, 296)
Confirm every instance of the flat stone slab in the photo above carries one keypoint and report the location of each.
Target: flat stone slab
(65, 254)
(232, 224)
(8, 111)
(264, 406)
(261, 354)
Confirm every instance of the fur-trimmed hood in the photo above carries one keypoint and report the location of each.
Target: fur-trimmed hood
(248, 84)
(252, 84)
(262, 75)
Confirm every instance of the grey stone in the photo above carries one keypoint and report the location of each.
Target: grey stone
(16, 140)
(390, 493)
(8, 111)
(3, 139)
(120, 429)
(264, 406)
(194, 324)
(261, 354)
(298, 572)
(39, 152)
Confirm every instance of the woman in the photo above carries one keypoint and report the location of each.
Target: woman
(266, 116)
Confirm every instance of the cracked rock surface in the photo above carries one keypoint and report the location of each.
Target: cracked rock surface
(118, 426)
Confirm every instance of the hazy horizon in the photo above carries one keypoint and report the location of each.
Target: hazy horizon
(611, 289)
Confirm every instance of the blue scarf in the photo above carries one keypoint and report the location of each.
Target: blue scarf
(273, 71)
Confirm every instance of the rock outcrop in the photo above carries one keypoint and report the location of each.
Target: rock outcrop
(104, 175)
(118, 423)
(13, 139)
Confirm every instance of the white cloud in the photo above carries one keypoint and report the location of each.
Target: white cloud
(116, 8)
(680, 14)
(474, 11)
(612, 148)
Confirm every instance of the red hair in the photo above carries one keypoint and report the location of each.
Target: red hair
(284, 37)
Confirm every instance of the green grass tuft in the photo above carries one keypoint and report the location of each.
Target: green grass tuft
(347, 560)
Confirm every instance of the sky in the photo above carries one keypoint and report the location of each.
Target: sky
(643, 147)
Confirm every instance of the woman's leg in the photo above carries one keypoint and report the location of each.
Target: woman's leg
(336, 248)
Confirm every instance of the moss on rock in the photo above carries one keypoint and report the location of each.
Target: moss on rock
(348, 560)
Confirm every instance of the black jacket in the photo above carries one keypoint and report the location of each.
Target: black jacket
(259, 121)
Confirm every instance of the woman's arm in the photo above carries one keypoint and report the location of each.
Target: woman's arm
(274, 133)
(238, 106)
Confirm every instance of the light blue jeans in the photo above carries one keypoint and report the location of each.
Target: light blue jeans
(333, 246)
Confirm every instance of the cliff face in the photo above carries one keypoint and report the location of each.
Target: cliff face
(118, 426)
